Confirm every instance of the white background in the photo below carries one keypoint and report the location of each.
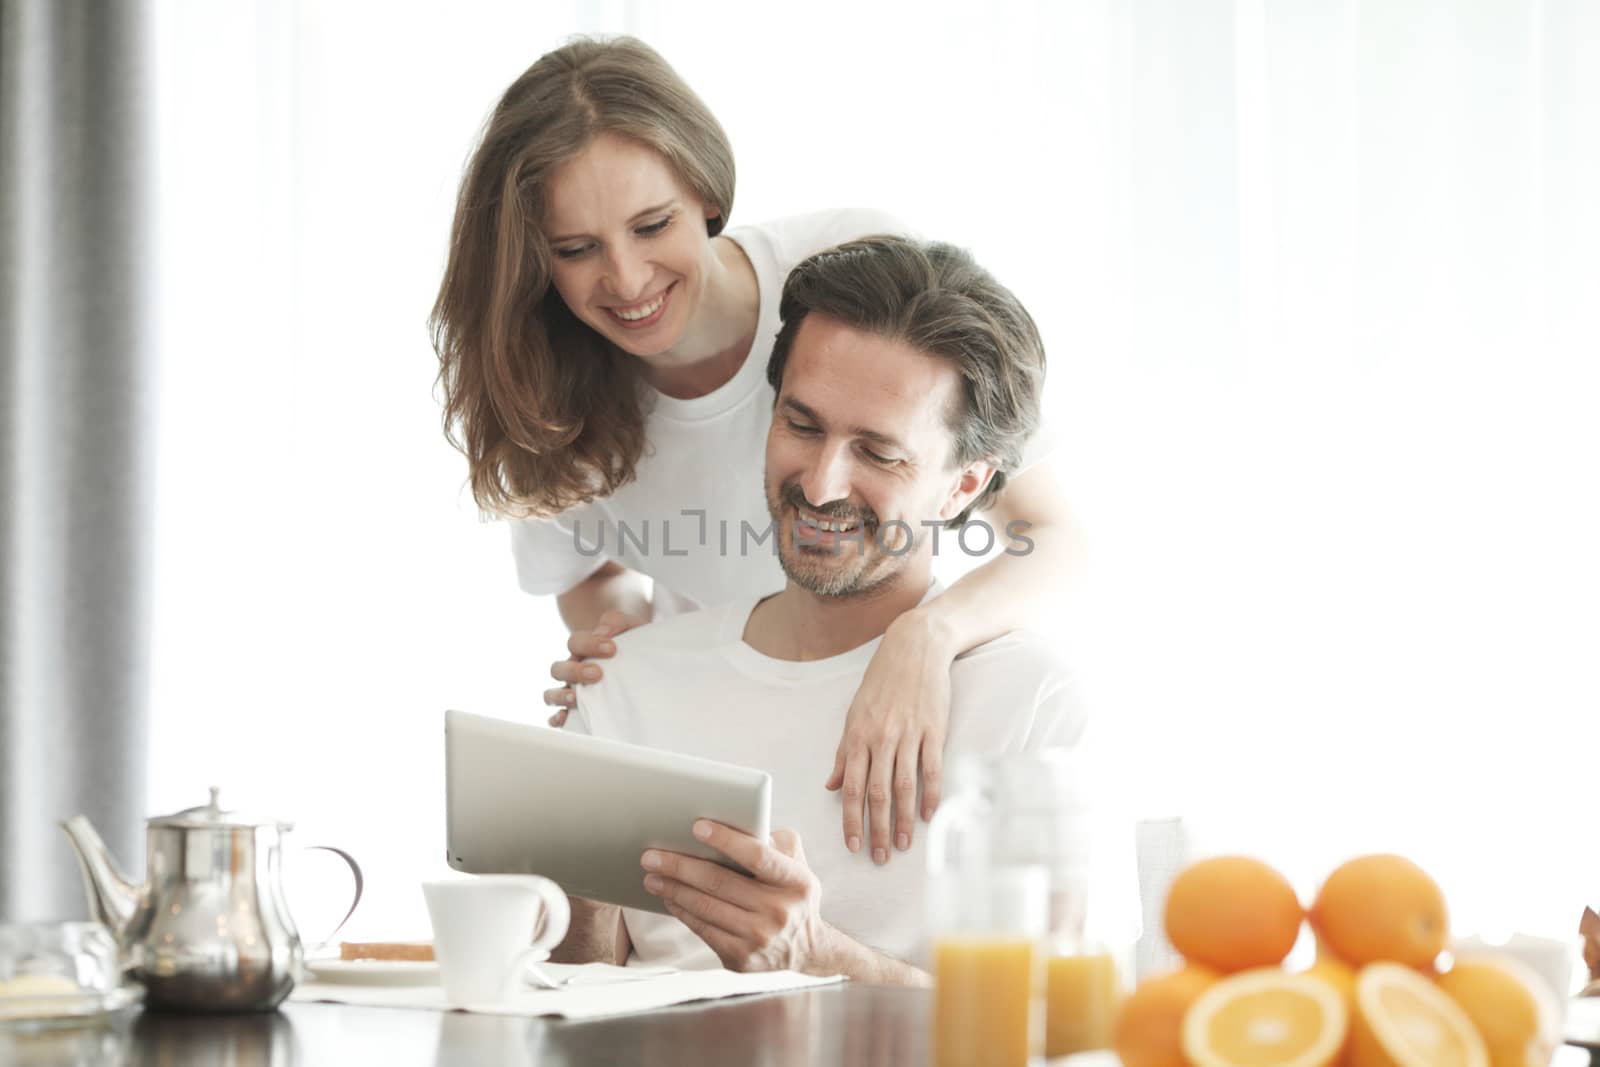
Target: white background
(1318, 281)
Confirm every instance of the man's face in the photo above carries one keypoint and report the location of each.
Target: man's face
(859, 456)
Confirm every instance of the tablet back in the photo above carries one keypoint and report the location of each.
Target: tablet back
(524, 799)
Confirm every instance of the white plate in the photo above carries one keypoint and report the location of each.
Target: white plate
(375, 972)
(1583, 1022)
(68, 1009)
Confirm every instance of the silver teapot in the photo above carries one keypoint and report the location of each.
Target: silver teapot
(209, 930)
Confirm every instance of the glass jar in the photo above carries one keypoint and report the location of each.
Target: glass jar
(63, 1000)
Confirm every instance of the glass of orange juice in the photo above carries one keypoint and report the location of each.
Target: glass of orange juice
(1093, 920)
(988, 968)
(1083, 992)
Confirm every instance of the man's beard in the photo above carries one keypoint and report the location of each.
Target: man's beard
(843, 569)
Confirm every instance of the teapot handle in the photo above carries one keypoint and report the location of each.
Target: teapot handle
(355, 869)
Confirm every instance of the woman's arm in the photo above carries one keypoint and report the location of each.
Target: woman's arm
(600, 607)
(901, 712)
(611, 588)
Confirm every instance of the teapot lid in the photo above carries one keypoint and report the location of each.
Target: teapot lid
(211, 816)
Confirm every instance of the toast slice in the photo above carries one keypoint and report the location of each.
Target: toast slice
(416, 951)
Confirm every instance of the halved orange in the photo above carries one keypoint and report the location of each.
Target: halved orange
(1404, 1020)
(1265, 1018)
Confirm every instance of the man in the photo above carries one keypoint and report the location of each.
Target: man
(907, 381)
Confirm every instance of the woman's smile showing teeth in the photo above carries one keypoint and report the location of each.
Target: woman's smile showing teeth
(638, 316)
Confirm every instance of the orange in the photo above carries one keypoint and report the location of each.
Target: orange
(1339, 975)
(1149, 1029)
(1231, 913)
(1381, 908)
(1403, 1020)
(1510, 1005)
(1265, 1018)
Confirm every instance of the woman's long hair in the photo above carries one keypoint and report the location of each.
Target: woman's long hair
(548, 413)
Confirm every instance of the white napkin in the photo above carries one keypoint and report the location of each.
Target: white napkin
(591, 998)
(576, 974)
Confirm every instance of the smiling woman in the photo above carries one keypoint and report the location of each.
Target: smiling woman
(546, 410)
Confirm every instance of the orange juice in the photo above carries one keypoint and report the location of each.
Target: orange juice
(1081, 1001)
(985, 1002)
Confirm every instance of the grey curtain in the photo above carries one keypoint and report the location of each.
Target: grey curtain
(76, 265)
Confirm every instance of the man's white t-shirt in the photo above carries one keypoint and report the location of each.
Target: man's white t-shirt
(690, 684)
(695, 518)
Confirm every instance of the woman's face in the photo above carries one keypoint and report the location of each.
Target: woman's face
(628, 244)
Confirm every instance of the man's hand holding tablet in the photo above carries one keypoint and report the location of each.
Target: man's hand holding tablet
(769, 919)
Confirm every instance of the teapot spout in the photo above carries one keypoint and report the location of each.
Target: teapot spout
(113, 899)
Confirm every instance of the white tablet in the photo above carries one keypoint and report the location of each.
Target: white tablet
(525, 799)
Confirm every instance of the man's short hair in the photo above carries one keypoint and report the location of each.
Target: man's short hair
(935, 298)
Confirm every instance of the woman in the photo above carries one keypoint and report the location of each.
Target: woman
(603, 343)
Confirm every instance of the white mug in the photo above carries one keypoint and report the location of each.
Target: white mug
(481, 927)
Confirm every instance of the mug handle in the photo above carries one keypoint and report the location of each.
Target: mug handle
(355, 869)
(556, 917)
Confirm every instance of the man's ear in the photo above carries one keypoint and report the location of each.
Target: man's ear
(972, 480)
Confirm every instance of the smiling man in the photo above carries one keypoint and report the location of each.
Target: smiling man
(907, 383)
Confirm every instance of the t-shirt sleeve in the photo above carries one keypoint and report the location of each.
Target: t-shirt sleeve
(801, 236)
(590, 715)
(1041, 445)
(578, 719)
(1059, 718)
(851, 223)
(548, 559)
(602, 708)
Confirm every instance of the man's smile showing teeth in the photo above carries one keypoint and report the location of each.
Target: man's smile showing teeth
(829, 526)
(642, 314)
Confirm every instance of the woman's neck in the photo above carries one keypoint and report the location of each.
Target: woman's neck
(718, 340)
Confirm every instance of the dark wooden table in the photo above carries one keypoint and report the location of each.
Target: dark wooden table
(839, 1026)
(835, 1025)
